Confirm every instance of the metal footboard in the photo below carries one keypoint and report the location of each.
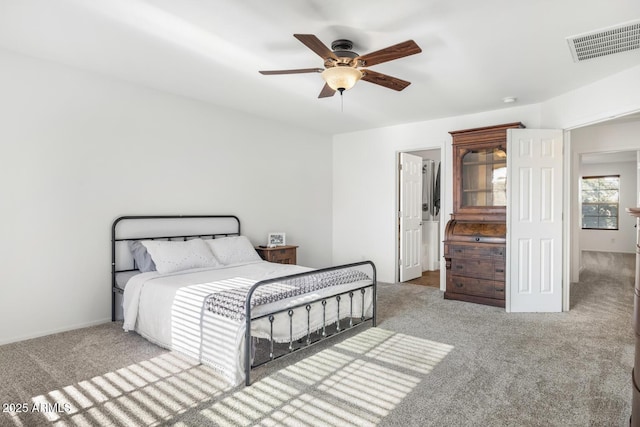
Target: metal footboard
(314, 335)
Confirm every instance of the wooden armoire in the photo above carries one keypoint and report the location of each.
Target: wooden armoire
(475, 237)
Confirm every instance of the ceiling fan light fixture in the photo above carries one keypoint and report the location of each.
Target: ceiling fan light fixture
(341, 78)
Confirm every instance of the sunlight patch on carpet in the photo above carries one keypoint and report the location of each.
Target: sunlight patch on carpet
(147, 393)
(357, 382)
(401, 350)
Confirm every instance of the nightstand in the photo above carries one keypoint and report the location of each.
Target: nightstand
(279, 254)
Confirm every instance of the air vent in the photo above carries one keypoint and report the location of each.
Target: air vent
(608, 41)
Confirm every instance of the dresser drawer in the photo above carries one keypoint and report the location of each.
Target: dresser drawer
(471, 251)
(481, 268)
(472, 286)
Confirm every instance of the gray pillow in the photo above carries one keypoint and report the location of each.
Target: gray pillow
(141, 256)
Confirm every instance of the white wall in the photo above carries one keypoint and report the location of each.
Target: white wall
(615, 95)
(365, 182)
(78, 150)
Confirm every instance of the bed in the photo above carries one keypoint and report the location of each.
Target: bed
(194, 284)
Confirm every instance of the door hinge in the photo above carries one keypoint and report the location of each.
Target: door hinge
(400, 166)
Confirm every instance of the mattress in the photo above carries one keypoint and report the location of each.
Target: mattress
(122, 277)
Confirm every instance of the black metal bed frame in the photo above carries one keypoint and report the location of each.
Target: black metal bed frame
(307, 306)
(114, 239)
(353, 321)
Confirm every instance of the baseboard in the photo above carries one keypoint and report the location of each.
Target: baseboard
(608, 252)
(54, 331)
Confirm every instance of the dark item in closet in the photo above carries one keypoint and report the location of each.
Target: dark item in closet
(436, 192)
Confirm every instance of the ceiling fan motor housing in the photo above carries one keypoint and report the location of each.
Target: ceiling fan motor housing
(342, 49)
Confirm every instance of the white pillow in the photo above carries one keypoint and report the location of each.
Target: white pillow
(172, 256)
(233, 250)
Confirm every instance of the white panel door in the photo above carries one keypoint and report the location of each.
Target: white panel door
(534, 220)
(638, 176)
(410, 216)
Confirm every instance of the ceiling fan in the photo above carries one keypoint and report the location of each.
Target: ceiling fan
(343, 68)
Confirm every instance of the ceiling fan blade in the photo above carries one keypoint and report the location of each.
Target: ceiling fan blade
(326, 91)
(384, 80)
(313, 43)
(390, 53)
(298, 71)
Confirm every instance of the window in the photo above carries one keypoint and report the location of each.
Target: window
(600, 196)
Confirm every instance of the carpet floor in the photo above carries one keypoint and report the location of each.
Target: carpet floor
(430, 362)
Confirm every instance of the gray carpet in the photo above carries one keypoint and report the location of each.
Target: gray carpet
(430, 362)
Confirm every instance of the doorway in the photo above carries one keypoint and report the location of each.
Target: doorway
(429, 248)
(609, 147)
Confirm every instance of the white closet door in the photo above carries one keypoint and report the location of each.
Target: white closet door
(410, 216)
(534, 220)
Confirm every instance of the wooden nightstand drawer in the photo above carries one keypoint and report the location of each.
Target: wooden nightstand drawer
(284, 256)
(279, 254)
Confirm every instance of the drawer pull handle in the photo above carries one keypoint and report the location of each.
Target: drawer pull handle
(499, 270)
(459, 267)
(459, 285)
(499, 290)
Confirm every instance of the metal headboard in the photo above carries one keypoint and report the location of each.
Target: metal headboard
(161, 227)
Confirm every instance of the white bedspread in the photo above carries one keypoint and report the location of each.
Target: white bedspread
(169, 310)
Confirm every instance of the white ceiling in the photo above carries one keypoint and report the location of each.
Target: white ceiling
(474, 52)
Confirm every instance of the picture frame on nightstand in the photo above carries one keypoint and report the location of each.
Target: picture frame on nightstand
(276, 239)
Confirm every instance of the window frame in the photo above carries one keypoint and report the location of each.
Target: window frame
(582, 204)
